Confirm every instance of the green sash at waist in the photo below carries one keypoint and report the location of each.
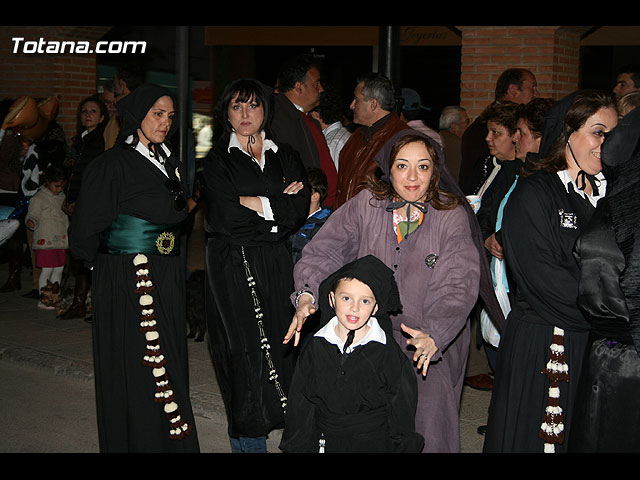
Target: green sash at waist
(129, 234)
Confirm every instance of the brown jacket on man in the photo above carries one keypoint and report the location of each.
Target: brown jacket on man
(357, 162)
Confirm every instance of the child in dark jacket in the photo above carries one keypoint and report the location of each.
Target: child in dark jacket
(354, 390)
(317, 213)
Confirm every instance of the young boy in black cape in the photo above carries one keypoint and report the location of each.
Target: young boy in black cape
(354, 390)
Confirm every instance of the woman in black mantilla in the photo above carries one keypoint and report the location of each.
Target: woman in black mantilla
(544, 340)
(127, 225)
(256, 196)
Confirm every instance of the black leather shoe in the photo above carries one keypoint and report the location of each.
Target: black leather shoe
(482, 430)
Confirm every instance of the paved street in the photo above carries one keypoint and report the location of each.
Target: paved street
(46, 413)
(47, 388)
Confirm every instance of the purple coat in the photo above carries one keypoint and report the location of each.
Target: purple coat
(436, 299)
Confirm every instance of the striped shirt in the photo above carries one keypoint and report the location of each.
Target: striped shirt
(336, 136)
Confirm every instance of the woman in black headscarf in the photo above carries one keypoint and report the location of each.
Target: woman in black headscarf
(605, 418)
(127, 225)
(542, 345)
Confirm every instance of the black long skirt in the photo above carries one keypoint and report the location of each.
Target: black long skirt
(130, 417)
(521, 391)
(253, 403)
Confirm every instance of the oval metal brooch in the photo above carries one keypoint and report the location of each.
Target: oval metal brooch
(431, 260)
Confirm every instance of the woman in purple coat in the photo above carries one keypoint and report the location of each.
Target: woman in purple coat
(423, 234)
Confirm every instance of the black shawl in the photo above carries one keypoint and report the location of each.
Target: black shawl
(621, 165)
(134, 107)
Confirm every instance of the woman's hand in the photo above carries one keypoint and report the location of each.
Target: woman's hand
(252, 203)
(424, 345)
(493, 246)
(293, 188)
(305, 308)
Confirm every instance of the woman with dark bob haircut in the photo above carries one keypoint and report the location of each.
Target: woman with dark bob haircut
(543, 344)
(256, 196)
(246, 90)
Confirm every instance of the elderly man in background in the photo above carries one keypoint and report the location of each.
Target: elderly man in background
(453, 123)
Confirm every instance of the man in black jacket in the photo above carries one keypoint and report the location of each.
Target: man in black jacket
(298, 92)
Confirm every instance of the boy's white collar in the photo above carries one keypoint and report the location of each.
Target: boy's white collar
(375, 334)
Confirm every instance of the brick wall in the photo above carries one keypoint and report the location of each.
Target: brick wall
(551, 53)
(70, 77)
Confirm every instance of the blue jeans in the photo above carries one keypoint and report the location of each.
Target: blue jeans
(248, 445)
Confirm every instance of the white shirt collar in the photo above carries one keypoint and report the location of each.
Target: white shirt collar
(266, 145)
(142, 149)
(375, 334)
(566, 179)
(297, 106)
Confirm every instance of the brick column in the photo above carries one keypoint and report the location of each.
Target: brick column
(552, 53)
(69, 76)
